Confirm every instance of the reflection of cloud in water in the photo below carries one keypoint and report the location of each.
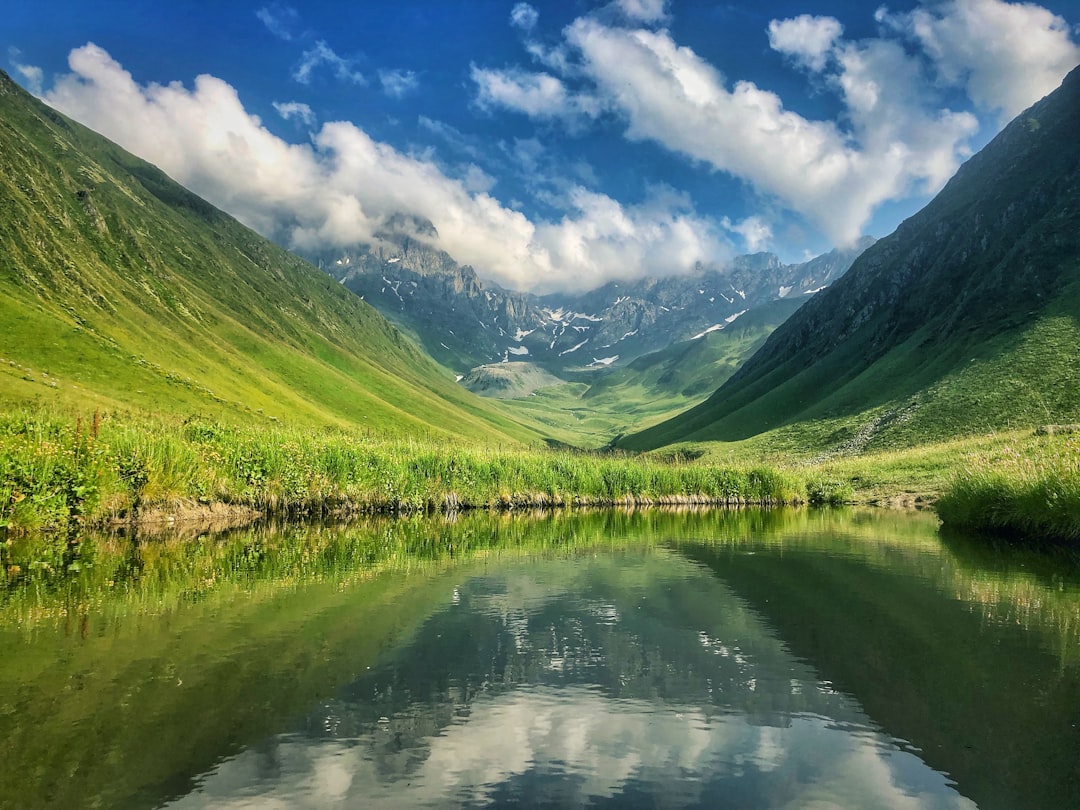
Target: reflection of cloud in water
(576, 745)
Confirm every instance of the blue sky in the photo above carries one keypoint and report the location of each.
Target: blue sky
(554, 145)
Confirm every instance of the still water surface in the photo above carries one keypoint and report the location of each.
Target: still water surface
(741, 659)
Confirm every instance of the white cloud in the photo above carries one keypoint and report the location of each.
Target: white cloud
(342, 187)
(476, 180)
(1005, 55)
(524, 16)
(398, 83)
(323, 54)
(805, 38)
(32, 75)
(755, 232)
(895, 137)
(604, 239)
(668, 94)
(295, 109)
(646, 11)
(278, 20)
(539, 95)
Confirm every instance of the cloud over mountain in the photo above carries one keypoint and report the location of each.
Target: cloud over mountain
(343, 186)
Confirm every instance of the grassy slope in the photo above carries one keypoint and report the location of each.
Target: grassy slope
(962, 321)
(122, 289)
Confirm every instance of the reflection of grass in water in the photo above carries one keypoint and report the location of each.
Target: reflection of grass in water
(114, 576)
(1006, 585)
(105, 630)
(110, 577)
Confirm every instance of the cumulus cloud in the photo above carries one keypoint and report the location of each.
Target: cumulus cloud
(807, 39)
(666, 93)
(295, 110)
(524, 16)
(646, 11)
(539, 95)
(342, 187)
(1005, 55)
(279, 20)
(755, 232)
(605, 239)
(323, 54)
(398, 83)
(895, 137)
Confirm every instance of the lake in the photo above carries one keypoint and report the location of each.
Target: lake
(727, 658)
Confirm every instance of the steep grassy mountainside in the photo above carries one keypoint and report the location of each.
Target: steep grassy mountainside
(118, 288)
(966, 319)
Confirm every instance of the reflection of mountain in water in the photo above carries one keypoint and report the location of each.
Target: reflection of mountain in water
(625, 678)
(956, 670)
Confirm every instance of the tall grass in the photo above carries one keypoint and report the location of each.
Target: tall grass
(1029, 492)
(55, 469)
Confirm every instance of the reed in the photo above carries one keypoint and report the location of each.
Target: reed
(1028, 491)
(54, 471)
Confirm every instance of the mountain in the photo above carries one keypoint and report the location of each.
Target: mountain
(465, 322)
(965, 319)
(120, 289)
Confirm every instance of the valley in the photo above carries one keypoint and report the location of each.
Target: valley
(619, 404)
(132, 302)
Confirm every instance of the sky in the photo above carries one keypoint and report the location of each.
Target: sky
(553, 145)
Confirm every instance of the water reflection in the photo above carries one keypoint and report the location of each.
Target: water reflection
(572, 746)
(750, 659)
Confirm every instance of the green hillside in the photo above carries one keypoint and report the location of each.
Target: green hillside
(964, 320)
(120, 289)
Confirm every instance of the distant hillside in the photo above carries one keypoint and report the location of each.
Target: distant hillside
(508, 380)
(465, 322)
(966, 319)
(119, 288)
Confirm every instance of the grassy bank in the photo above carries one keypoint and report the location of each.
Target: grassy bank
(58, 469)
(1029, 491)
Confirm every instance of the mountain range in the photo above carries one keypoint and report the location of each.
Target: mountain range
(465, 322)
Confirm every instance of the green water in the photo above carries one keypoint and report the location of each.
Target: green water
(742, 659)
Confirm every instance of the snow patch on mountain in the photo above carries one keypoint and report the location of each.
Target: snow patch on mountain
(574, 349)
(714, 328)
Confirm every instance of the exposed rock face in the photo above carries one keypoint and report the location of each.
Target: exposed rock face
(465, 322)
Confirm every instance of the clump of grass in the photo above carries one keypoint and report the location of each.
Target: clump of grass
(1029, 492)
(822, 490)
